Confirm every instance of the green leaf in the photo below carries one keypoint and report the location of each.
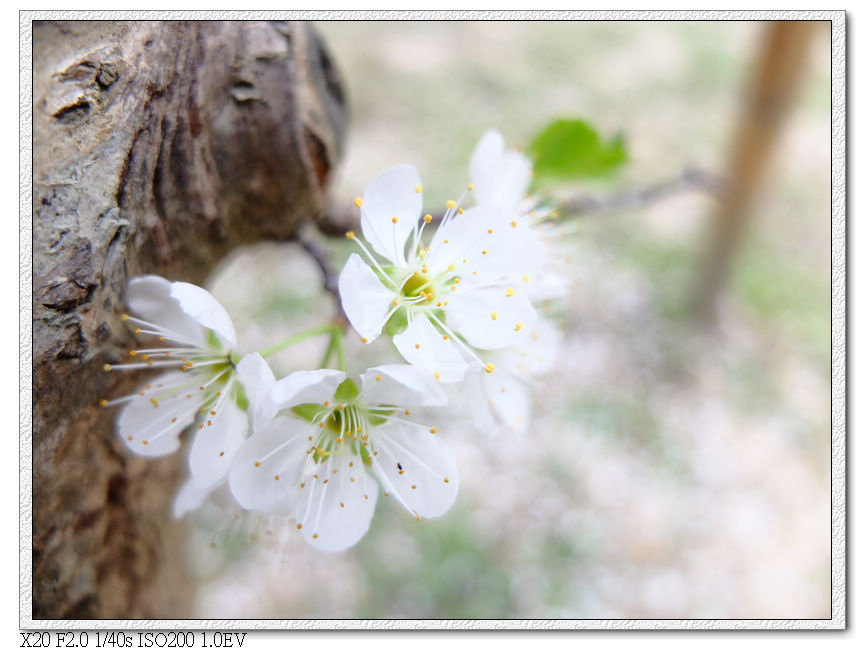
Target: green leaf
(307, 411)
(569, 149)
(240, 397)
(213, 341)
(346, 392)
(396, 323)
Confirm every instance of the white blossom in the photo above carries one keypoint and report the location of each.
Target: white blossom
(502, 401)
(320, 457)
(194, 337)
(501, 179)
(464, 291)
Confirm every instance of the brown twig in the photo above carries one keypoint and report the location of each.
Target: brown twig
(319, 255)
(689, 179)
(338, 221)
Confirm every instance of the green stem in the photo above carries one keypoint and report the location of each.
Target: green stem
(336, 341)
(333, 330)
(335, 345)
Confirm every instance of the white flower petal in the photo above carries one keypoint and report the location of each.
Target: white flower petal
(415, 466)
(464, 237)
(188, 498)
(499, 177)
(257, 380)
(485, 159)
(474, 405)
(306, 387)
(489, 318)
(422, 345)
(335, 509)
(216, 442)
(509, 398)
(400, 384)
(151, 423)
(392, 194)
(365, 300)
(484, 245)
(517, 253)
(539, 353)
(279, 449)
(205, 309)
(149, 298)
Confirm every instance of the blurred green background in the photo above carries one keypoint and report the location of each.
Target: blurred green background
(672, 469)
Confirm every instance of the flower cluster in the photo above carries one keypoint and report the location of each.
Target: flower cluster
(459, 300)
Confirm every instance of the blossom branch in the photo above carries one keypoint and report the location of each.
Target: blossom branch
(689, 179)
(337, 222)
(319, 255)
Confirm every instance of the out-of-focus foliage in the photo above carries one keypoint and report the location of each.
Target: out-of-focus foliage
(568, 150)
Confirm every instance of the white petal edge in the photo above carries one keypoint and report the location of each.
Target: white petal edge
(149, 298)
(205, 309)
(152, 431)
(500, 177)
(391, 194)
(422, 345)
(510, 400)
(334, 510)
(306, 387)
(365, 300)
(416, 467)
(490, 318)
(216, 442)
(257, 380)
(279, 449)
(401, 385)
(188, 498)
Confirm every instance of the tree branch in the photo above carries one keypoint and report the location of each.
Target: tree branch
(336, 222)
(690, 179)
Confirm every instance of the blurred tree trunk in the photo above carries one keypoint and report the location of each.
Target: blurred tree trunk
(779, 70)
(157, 147)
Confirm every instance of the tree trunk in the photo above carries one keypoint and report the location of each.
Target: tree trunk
(157, 147)
(778, 72)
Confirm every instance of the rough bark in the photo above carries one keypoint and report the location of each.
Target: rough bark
(158, 147)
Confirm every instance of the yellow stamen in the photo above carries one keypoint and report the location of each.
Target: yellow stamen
(489, 368)
(358, 202)
(349, 234)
